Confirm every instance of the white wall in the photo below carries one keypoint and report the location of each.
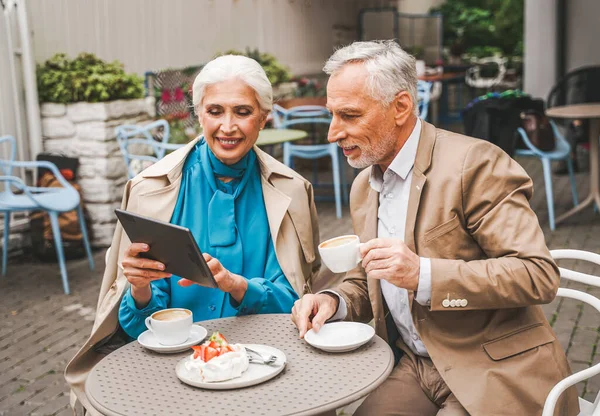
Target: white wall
(156, 34)
(417, 6)
(583, 33)
(540, 43)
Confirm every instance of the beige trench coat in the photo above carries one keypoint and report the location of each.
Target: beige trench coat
(292, 220)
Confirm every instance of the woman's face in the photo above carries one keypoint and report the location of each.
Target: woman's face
(231, 119)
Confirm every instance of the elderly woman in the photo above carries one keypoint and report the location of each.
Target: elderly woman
(253, 217)
(221, 200)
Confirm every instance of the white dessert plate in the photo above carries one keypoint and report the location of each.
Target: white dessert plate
(340, 336)
(149, 341)
(255, 374)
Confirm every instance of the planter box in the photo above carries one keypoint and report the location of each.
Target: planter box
(298, 101)
(87, 131)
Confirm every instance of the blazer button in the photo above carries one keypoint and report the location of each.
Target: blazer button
(445, 303)
(464, 302)
(453, 303)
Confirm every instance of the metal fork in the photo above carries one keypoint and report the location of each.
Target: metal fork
(268, 360)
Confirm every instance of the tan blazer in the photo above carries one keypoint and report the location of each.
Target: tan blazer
(469, 212)
(292, 221)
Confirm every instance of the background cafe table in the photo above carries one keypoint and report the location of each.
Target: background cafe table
(135, 381)
(270, 137)
(591, 112)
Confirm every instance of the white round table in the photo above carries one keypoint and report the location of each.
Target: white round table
(591, 112)
(134, 381)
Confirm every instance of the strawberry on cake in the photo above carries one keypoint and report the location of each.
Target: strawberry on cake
(217, 360)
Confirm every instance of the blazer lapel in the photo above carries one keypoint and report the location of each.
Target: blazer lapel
(374, 286)
(422, 164)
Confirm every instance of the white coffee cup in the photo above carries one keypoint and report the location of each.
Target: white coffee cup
(341, 254)
(171, 326)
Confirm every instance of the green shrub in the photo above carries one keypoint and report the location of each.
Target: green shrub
(85, 78)
(275, 70)
(472, 25)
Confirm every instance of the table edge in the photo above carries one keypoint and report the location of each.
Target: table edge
(549, 111)
(355, 396)
(97, 406)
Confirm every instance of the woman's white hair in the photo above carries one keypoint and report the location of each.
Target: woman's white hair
(228, 67)
(391, 69)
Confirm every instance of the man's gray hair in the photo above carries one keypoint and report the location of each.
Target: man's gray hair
(229, 67)
(391, 69)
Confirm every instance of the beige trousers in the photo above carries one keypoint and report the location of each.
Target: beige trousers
(414, 388)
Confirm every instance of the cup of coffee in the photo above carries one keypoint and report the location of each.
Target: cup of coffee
(170, 326)
(341, 254)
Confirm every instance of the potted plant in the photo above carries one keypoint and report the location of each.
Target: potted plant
(308, 91)
(82, 101)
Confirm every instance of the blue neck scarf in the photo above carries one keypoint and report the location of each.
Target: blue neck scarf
(222, 229)
(228, 220)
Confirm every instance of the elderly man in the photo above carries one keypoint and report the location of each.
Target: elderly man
(455, 261)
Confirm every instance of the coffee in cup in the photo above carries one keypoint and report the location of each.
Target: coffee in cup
(171, 314)
(341, 254)
(171, 326)
(338, 241)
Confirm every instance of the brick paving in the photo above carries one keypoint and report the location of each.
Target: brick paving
(42, 328)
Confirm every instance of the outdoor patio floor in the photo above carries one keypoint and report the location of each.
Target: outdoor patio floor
(42, 328)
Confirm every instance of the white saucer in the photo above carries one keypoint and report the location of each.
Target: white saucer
(255, 374)
(340, 336)
(148, 340)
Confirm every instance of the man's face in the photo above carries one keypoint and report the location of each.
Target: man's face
(361, 125)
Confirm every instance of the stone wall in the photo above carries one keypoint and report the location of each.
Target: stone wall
(87, 131)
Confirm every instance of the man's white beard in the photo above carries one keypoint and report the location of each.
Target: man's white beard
(372, 155)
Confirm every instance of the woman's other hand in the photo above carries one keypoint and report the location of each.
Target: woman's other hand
(231, 283)
(140, 272)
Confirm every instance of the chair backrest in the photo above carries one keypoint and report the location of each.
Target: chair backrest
(562, 145)
(12, 153)
(423, 95)
(303, 114)
(7, 164)
(300, 116)
(137, 143)
(577, 87)
(586, 279)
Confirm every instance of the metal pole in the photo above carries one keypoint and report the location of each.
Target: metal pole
(29, 79)
(561, 38)
(20, 135)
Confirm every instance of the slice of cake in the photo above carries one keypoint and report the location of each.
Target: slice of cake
(217, 360)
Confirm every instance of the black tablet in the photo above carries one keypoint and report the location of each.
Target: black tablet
(172, 245)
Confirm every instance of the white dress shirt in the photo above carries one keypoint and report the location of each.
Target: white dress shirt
(393, 186)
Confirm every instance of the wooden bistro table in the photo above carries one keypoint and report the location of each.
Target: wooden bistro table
(134, 381)
(591, 112)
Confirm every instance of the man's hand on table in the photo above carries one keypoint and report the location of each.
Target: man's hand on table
(311, 311)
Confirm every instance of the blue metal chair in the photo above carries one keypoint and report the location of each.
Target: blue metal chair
(424, 95)
(29, 198)
(561, 152)
(145, 149)
(312, 115)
